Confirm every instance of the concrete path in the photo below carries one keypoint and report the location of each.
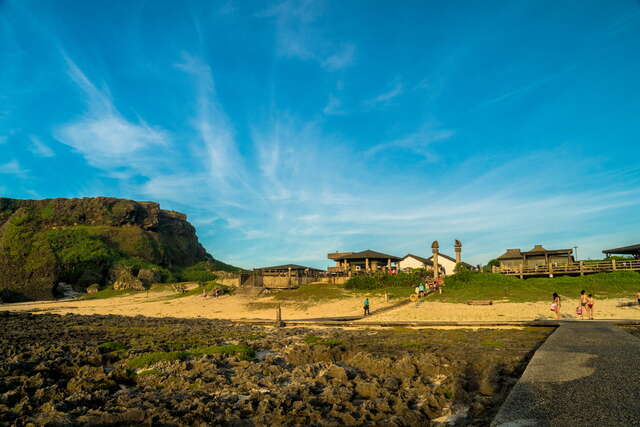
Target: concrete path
(585, 374)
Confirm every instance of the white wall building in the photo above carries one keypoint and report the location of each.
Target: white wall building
(447, 263)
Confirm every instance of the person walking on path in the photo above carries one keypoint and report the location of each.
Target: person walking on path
(365, 306)
(590, 303)
(582, 307)
(555, 305)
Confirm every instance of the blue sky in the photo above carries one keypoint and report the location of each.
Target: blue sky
(286, 130)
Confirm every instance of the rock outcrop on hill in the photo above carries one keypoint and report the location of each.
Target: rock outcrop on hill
(92, 240)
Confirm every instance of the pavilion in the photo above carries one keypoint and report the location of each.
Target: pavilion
(633, 250)
(364, 261)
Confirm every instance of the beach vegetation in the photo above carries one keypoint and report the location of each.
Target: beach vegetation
(473, 285)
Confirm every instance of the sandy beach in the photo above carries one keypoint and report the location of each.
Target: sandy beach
(234, 307)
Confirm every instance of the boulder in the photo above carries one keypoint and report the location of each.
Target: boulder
(65, 290)
(124, 279)
(149, 276)
(92, 289)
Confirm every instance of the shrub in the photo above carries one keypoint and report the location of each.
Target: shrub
(403, 279)
(80, 254)
(460, 267)
(200, 272)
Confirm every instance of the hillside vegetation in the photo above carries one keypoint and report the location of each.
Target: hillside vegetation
(94, 240)
(466, 286)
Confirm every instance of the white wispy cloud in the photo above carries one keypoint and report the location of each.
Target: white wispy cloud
(396, 90)
(333, 107)
(340, 59)
(222, 159)
(39, 148)
(299, 36)
(417, 142)
(13, 168)
(106, 138)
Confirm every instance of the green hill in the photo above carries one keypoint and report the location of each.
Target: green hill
(93, 240)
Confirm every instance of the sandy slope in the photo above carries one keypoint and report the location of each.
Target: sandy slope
(604, 309)
(157, 304)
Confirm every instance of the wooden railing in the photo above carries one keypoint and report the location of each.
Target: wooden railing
(582, 267)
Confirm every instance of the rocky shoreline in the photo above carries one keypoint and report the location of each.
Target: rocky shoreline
(115, 370)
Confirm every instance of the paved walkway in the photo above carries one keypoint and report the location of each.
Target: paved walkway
(585, 374)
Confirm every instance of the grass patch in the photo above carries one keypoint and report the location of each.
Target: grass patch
(108, 292)
(149, 359)
(466, 286)
(315, 340)
(399, 292)
(492, 343)
(108, 347)
(241, 351)
(312, 292)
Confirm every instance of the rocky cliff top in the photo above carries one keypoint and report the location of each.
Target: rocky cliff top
(78, 241)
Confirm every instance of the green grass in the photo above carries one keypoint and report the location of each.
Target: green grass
(315, 340)
(241, 351)
(149, 359)
(108, 347)
(312, 292)
(464, 287)
(108, 292)
(399, 292)
(492, 343)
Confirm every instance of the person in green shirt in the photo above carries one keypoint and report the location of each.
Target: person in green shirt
(365, 305)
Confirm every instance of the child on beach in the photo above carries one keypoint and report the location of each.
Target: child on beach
(555, 305)
(590, 302)
(583, 304)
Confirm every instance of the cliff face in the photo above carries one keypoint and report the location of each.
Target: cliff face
(78, 241)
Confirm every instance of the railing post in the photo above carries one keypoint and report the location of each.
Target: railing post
(613, 264)
(521, 271)
(550, 271)
(582, 268)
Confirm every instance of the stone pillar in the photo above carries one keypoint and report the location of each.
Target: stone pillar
(613, 264)
(366, 265)
(434, 259)
(458, 249)
(289, 277)
(389, 264)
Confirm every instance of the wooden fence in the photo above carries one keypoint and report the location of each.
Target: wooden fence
(576, 268)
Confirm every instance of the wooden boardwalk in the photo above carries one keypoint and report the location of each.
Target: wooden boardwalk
(576, 268)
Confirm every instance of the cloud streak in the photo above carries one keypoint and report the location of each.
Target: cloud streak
(39, 148)
(13, 168)
(107, 139)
